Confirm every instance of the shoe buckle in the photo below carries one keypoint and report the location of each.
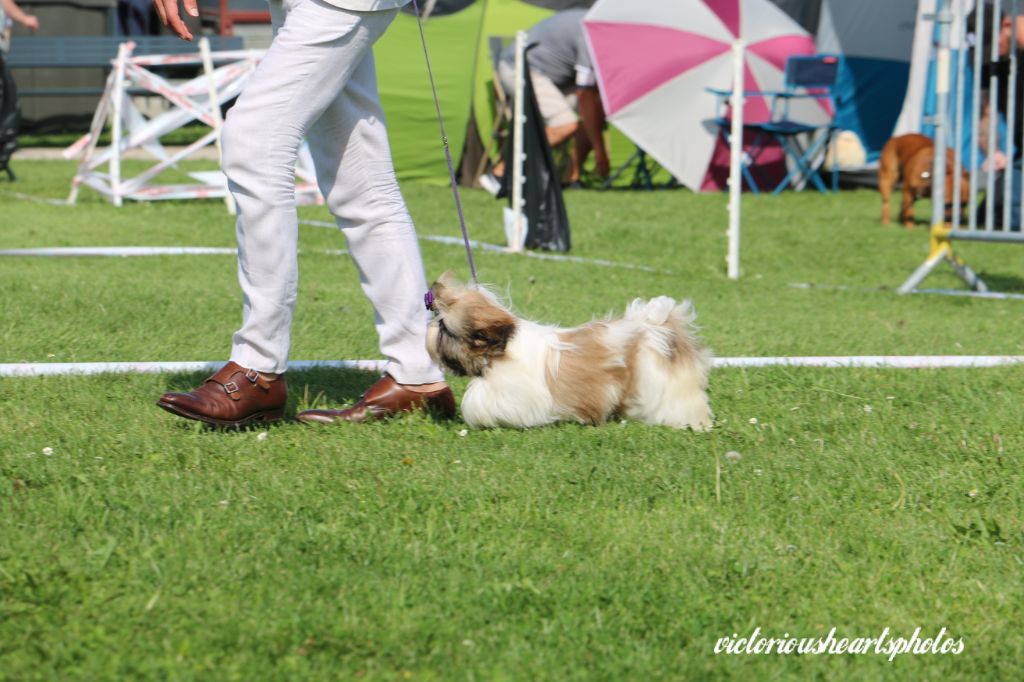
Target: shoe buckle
(230, 387)
(252, 375)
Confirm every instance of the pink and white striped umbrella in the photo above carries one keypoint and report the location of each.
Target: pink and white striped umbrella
(654, 60)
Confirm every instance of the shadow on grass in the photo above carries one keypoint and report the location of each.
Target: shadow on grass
(316, 388)
(328, 387)
(1009, 284)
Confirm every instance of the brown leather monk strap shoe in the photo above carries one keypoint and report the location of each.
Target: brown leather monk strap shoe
(384, 399)
(234, 396)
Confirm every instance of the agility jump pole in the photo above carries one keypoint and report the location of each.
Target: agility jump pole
(517, 233)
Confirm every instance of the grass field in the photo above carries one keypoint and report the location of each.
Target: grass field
(135, 545)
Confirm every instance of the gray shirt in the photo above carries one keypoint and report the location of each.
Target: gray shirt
(561, 51)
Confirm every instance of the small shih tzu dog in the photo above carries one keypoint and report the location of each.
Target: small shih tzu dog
(648, 365)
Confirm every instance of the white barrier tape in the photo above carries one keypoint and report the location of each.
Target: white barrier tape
(318, 223)
(497, 248)
(122, 251)
(39, 369)
(37, 200)
(35, 369)
(130, 251)
(875, 361)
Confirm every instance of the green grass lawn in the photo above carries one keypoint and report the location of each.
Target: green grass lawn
(143, 546)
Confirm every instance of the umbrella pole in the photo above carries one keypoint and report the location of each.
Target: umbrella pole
(735, 158)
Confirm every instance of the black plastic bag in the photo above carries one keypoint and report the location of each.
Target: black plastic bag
(8, 118)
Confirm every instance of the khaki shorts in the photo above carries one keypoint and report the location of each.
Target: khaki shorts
(557, 107)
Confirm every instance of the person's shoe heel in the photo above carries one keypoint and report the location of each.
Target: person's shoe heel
(273, 416)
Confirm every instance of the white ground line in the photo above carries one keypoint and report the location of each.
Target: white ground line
(874, 361)
(37, 200)
(498, 248)
(39, 369)
(542, 256)
(131, 251)
(539, 255)
(318, 223)
(35, 369)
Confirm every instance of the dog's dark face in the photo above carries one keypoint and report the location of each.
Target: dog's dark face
(470, 329)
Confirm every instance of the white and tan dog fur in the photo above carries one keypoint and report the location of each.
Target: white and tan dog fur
(648, 365)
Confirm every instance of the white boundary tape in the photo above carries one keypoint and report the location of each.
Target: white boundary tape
(37, 369)
(130, 251)
(37, 200)
(318, 223)
(40, 369)
(199, 251)
(875, 361)
(497, 248)
(121, 251)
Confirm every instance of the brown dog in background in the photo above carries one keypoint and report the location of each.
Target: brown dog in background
(910, 157)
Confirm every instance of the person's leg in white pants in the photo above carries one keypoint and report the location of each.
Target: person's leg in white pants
(318, 80)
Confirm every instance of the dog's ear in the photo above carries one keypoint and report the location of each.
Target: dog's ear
(494, 333)
(447, 279)
(443, 290)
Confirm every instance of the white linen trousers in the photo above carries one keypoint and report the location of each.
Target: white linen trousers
(318, 81)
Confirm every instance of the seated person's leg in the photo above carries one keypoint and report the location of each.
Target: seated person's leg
(997, 203)
(578, 155)
(558, 134)
(560, 122)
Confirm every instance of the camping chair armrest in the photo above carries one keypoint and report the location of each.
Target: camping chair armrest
(774, 96)
(746, 93)
(785, 96)
(724, 96)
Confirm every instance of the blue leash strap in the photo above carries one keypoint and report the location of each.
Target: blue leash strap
(444, 141)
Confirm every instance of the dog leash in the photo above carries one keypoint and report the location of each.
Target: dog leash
(428, 298)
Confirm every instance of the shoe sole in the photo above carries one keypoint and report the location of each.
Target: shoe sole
(264, 417)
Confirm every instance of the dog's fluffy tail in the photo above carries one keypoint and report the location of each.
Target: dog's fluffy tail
(672, 366)
(657, 311)
(670, 325)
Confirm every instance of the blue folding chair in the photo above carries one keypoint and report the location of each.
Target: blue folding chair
(806, 77)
